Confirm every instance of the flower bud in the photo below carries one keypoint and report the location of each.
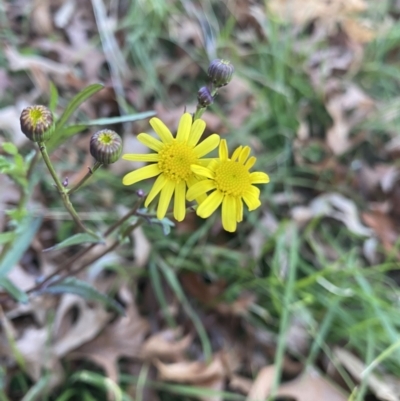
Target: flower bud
(204, 97)
(37, 123)
(106, 146)
(220, 72)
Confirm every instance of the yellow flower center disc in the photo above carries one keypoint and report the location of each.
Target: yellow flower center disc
(174, 160)
(232, 178)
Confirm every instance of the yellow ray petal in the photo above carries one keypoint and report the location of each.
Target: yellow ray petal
(239, 210)
(202, 171)
(185, 124)
(254, 191)
(156, 188)
(196, 132)
(236, 153)
(258, 177)
(223, 150)
(210, 205)
(244, 154)
(180, 201)
(150, 157)
(150, 142)
(165, 199)
(229, 213)
(141, 174)
(251, 201)
(250, 163)
(199, 189)
(193, 181)
(162, 130)
(207, 146)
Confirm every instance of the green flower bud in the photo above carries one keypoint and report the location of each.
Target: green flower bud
(204, 97)
(37, 123)
(106, 146)
(220, 72)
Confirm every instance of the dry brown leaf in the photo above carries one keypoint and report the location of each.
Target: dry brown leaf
(310, 386)
(332, 205)
(70, 335)
(383, 226)
(141, 247)
(198, 372)
(328, 14)
(240, 383)
(40, 17)
(239, 306)
(38, 354)
(165, 344)
(385, 388)
(351, 100)
(262, 385)
(121, 338)
(42, 69)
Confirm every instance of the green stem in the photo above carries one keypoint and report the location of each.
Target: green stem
(84, 251)
(89, 174)
(61, 189)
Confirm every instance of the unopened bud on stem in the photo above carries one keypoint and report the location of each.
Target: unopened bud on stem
(220, 72)
(37, 123)
(204, 97)
(106, 146)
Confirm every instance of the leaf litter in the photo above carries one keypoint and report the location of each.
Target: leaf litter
(86, 331)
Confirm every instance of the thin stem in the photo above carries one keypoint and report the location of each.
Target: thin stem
(199, 112)
(88, 175)
(61, 189)
(84, 251)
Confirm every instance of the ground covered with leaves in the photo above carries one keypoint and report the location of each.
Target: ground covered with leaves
(301, 302)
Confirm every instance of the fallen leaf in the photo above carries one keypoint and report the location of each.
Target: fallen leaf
(121, 338)
(198, 372)
(383, 226)
(332, 205)
(310, 386)
(69, 335)
(165, 344)
(384, 387)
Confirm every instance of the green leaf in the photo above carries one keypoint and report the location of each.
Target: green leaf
(76, 102)
(10, 148)
(53, 97)
(63, 135)
(122, 119)
(25, 234)
(74, 240)
(6, 237)
(72, 285)
(13, 290)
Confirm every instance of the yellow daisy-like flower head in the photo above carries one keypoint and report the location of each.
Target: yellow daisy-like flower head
(172, 162)
(231, 183)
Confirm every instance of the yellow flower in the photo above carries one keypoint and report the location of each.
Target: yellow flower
(232, 182)
(171, 162)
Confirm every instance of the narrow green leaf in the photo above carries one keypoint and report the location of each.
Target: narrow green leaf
(72, 285)
(25, 235)
(99, 381)
(122, 119)
(13, 290)
(81, 238)
(76, 102)
(10, 148)
(6, 237)
(53, 97)
(64, 134)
